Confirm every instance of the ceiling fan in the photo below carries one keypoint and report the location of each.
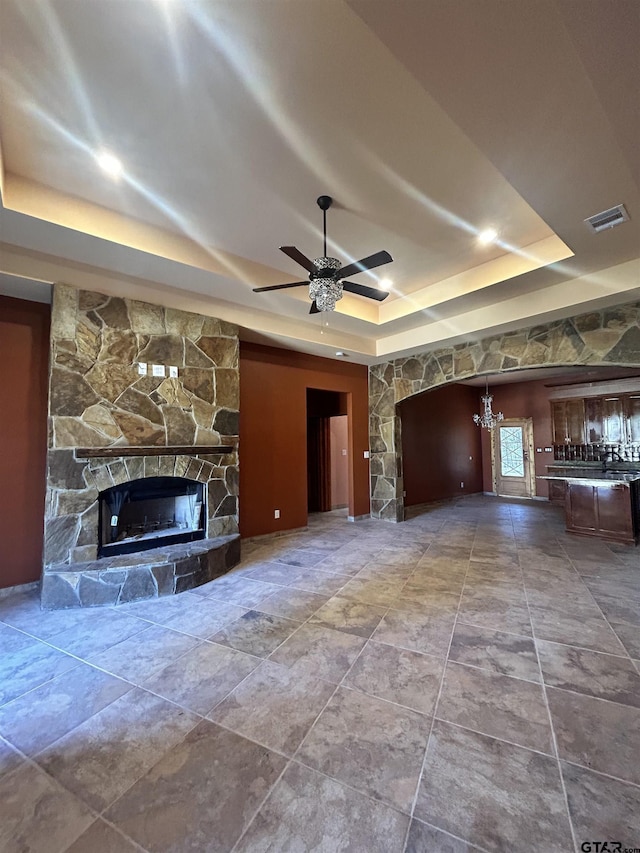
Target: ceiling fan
(326, 274)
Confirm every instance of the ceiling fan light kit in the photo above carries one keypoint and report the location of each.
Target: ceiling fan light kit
(326, 274)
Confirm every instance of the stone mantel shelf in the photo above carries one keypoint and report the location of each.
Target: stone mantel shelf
(175, 450)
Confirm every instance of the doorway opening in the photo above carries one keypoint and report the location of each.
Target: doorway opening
(511, 458)
(327, 451)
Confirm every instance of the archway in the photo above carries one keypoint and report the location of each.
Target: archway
(606, 338)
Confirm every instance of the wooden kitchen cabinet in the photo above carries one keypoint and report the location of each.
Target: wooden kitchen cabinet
(607, 510)
(613, 420)
(632, 414)
(556, 492)
(594, 420)
(568, 419)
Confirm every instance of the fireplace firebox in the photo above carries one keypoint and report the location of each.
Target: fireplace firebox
(149, 513)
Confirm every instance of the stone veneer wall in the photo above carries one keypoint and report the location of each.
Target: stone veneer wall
(609, 337)
(97, 399)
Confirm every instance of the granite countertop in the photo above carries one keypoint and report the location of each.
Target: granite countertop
(593, 476)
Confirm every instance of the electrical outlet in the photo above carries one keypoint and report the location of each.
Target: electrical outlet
(276, 513)
(142, 368)
(461, 484)
(366, 454)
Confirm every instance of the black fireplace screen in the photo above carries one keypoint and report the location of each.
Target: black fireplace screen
(149, 513)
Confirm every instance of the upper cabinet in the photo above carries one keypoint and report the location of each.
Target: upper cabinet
(614, 419)
(568, 418)
(632, 413)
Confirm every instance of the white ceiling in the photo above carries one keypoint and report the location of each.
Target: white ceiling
(426, 121)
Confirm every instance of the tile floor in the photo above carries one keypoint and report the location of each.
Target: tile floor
(466, 681)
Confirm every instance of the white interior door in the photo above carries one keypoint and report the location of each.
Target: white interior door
(512, 458)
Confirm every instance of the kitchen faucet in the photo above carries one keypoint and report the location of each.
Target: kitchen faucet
(613, 455)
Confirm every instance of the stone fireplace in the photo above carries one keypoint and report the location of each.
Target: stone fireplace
(142, 467)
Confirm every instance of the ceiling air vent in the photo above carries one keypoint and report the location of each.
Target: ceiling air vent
(608, 218)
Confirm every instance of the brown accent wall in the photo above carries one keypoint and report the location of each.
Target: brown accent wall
(24, 356)
(438, 437)
(522, 400)
(273, 434)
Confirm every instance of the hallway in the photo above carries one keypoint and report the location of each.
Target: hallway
(468, 680)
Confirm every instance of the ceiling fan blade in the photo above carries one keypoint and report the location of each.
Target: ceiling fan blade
(297, 256)
(369, 263)
(278, 286)
(363, 290)
(314, 308)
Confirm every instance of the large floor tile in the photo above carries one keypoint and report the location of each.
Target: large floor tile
(602, 808)
(139, 657)
(496, 705)
(322, 583)
(352, 617)
(102, 838)
(629, 636)
(372, 745)
(295, 604)
(308, 812)
(322, 650)
(493, 794)
(237, 589)
(377, 591)
(35, 720)
(302, 557)
(345, 562)
(427, 839)
(201, 796)
(101, 758)
(506, 654)
(407, 678)
(593, 673)
(505, 612)
(589, 630)
(203, 677)
(596, 733)
(9, 758)
(105, 629)
(26, 663)
(272, 572)
(426, 630)
(204, 617)
(256, 633)
(274, 706)
(37, 815)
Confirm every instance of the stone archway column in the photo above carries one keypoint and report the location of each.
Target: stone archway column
(606, 338)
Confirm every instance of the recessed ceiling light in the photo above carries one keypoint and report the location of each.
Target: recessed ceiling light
(385, 283)
(109, 163)
(487, 236)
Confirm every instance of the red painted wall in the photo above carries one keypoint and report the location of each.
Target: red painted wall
(273, 429)
(24, 359)
(523, 400)
(438, 437)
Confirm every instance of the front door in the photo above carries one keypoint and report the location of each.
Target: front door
(512, 452)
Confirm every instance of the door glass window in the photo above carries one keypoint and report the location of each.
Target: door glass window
(511, 452)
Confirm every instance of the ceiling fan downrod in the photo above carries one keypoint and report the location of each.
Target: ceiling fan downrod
(324, 202)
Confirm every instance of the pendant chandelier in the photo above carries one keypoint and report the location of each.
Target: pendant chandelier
(487, 419)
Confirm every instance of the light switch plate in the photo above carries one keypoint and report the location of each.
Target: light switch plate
(142, 368)
(173, 372)
(157, 370)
